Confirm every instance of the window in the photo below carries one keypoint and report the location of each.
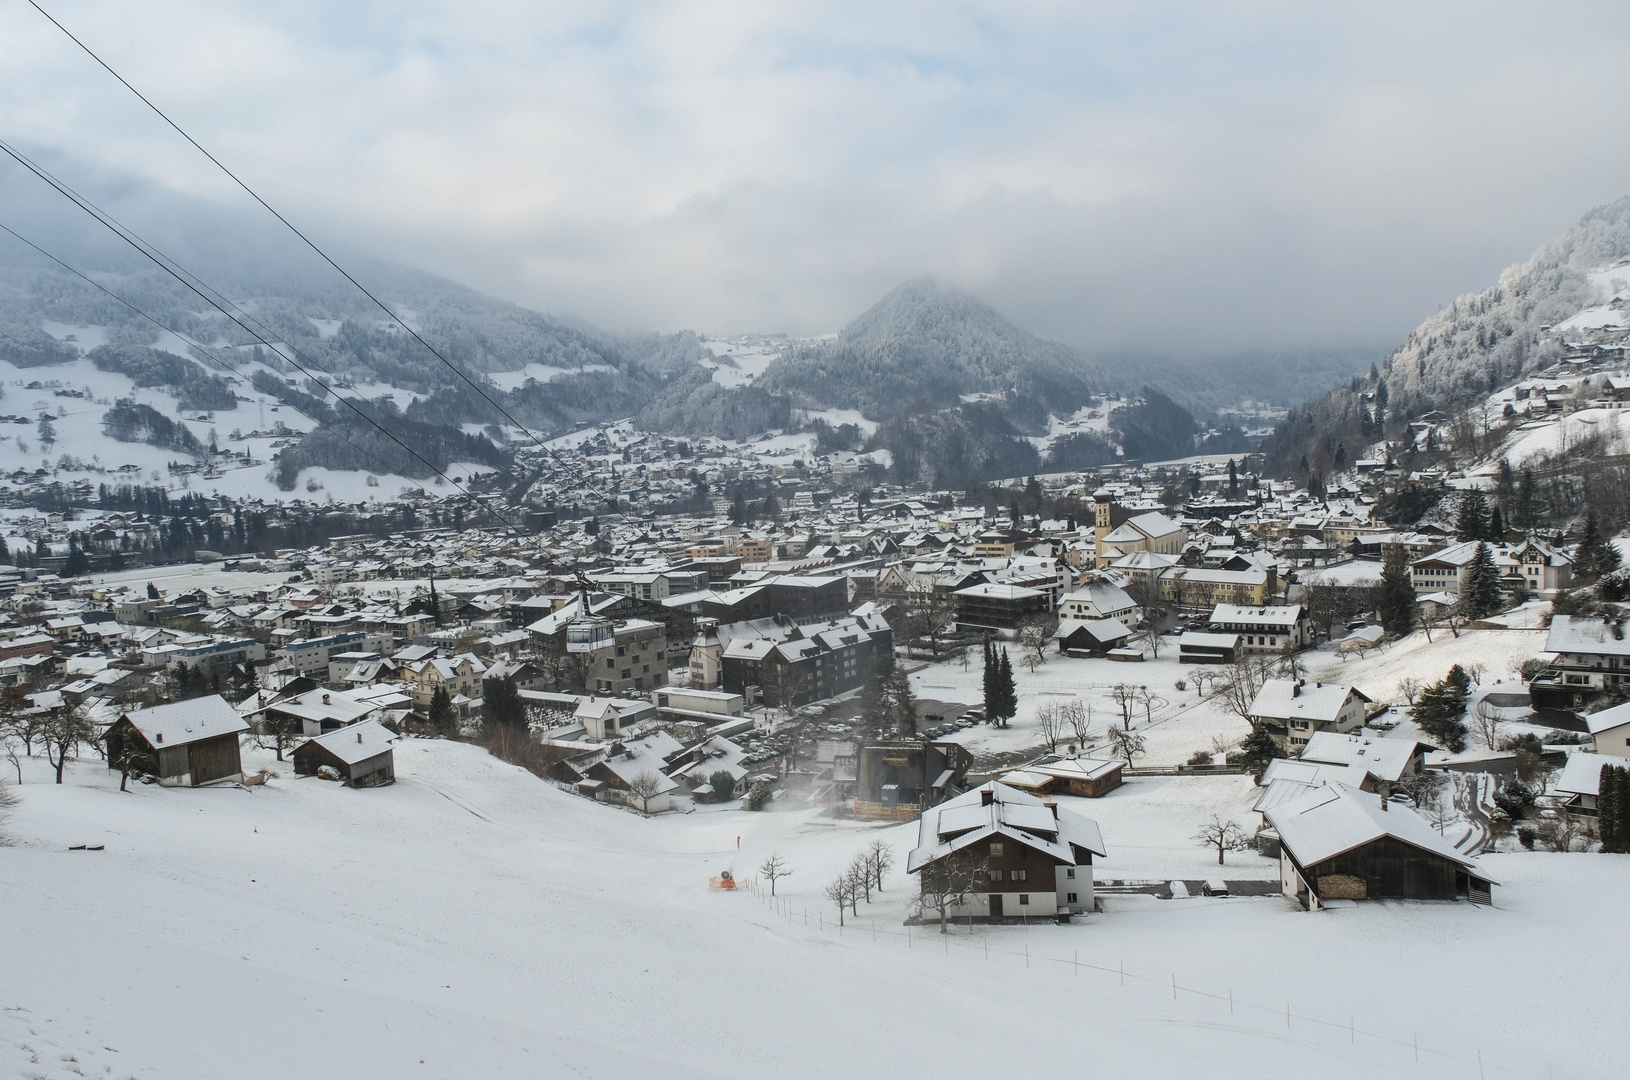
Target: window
(1018, 875)
(996, 850)
(1069, 898)
(1024, 899)
(1070, 873)
(996, 875)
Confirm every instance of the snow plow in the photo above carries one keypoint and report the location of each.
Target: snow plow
(723, 882)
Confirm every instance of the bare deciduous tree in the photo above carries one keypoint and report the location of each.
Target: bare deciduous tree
(1078, 714)
(1438, 813)
(947, 883)
(644, 787)
(64, 730)
(1124, 695)
(1485, 722)
(841, 891)
(1242, 681)
(1224, 834)
(772, 869)
(1034, 637)
(1128, 744)
(1050, 725)
(1410, 687)
(879, 860)
(1422, 788)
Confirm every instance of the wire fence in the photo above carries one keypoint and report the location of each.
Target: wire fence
(928, 937)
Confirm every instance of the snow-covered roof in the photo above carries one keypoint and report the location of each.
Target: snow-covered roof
(1288, 699)
(1384, 759)
(1582, 775)
(1026, 819)
(1284, 780)
(187, 721)
(1100, 629)
(1608, 719)
(1324, 822)
(1587, 634)
(359, 742)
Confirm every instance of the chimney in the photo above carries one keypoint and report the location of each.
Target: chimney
(325, 699)
(986, 797)
(159, 737)
(359, 736)
(1296, 688)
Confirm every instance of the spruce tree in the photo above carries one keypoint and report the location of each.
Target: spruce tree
(1611, 808)
(441, 711)
(1595, 555)
(990, 682)
(1496, 526)
(1398, 609)
(1258, 749)
(1480, 595)
(1439, 708)
(1471, 516)
(1525, 509)
(1505, 486)
(1007, 698)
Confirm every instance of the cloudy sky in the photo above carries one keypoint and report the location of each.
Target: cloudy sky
(1163, 178)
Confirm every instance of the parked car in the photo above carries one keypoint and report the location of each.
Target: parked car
(1215, 887)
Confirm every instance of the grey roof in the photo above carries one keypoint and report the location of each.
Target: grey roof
(1608, 719)
(356, 743)
(1587, 634)
(1582, 775)
(1326, 821)
(967, 819)
(1291, 699)
(1384, 759)
(187, 721)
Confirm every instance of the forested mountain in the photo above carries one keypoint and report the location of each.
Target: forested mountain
(925, 344)
(1479, 343)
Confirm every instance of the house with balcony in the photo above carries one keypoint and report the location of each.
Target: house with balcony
(1589, 654)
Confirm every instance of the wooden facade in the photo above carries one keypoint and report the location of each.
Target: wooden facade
(376, 771)
(1388, 868)
(205, 761)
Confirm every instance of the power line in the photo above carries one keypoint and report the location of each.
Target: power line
(140, 245)
(187, 338)
(582, 482)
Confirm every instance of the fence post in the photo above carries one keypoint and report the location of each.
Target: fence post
(1230, 1001)
(1287, 1014)
(1174, 986)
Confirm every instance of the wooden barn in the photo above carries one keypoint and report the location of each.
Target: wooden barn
(186, 744)
(1200, 647)
(1090, 637)
(1340, 843)
(361, 754)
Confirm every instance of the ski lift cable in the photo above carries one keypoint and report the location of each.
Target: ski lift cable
(580, 479)
(135, 242)
(184, 337)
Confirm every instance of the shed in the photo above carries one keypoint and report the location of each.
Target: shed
(361, 753)
(1200, 647)
(1090, 637)
(191, 743)
(1089, 778)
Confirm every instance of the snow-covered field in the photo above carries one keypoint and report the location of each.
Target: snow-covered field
(473, 921)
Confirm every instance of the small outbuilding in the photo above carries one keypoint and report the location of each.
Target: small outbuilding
(1200, 647)
(1090, 637)
(362, 754)
(186, 744)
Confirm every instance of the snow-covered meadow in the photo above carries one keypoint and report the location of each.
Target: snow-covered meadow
(472, 920)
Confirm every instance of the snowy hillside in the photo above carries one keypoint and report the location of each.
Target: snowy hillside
(473, 921)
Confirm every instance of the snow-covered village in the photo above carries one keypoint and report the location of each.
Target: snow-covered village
(1083, 634)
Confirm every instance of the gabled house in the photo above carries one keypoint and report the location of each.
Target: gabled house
(1610, 730)
(1581, 781)
(1293, 712)
(1339, 843)
(1033, 858)
(1590, 654)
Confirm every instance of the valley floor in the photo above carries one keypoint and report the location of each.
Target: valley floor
(472, 920)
